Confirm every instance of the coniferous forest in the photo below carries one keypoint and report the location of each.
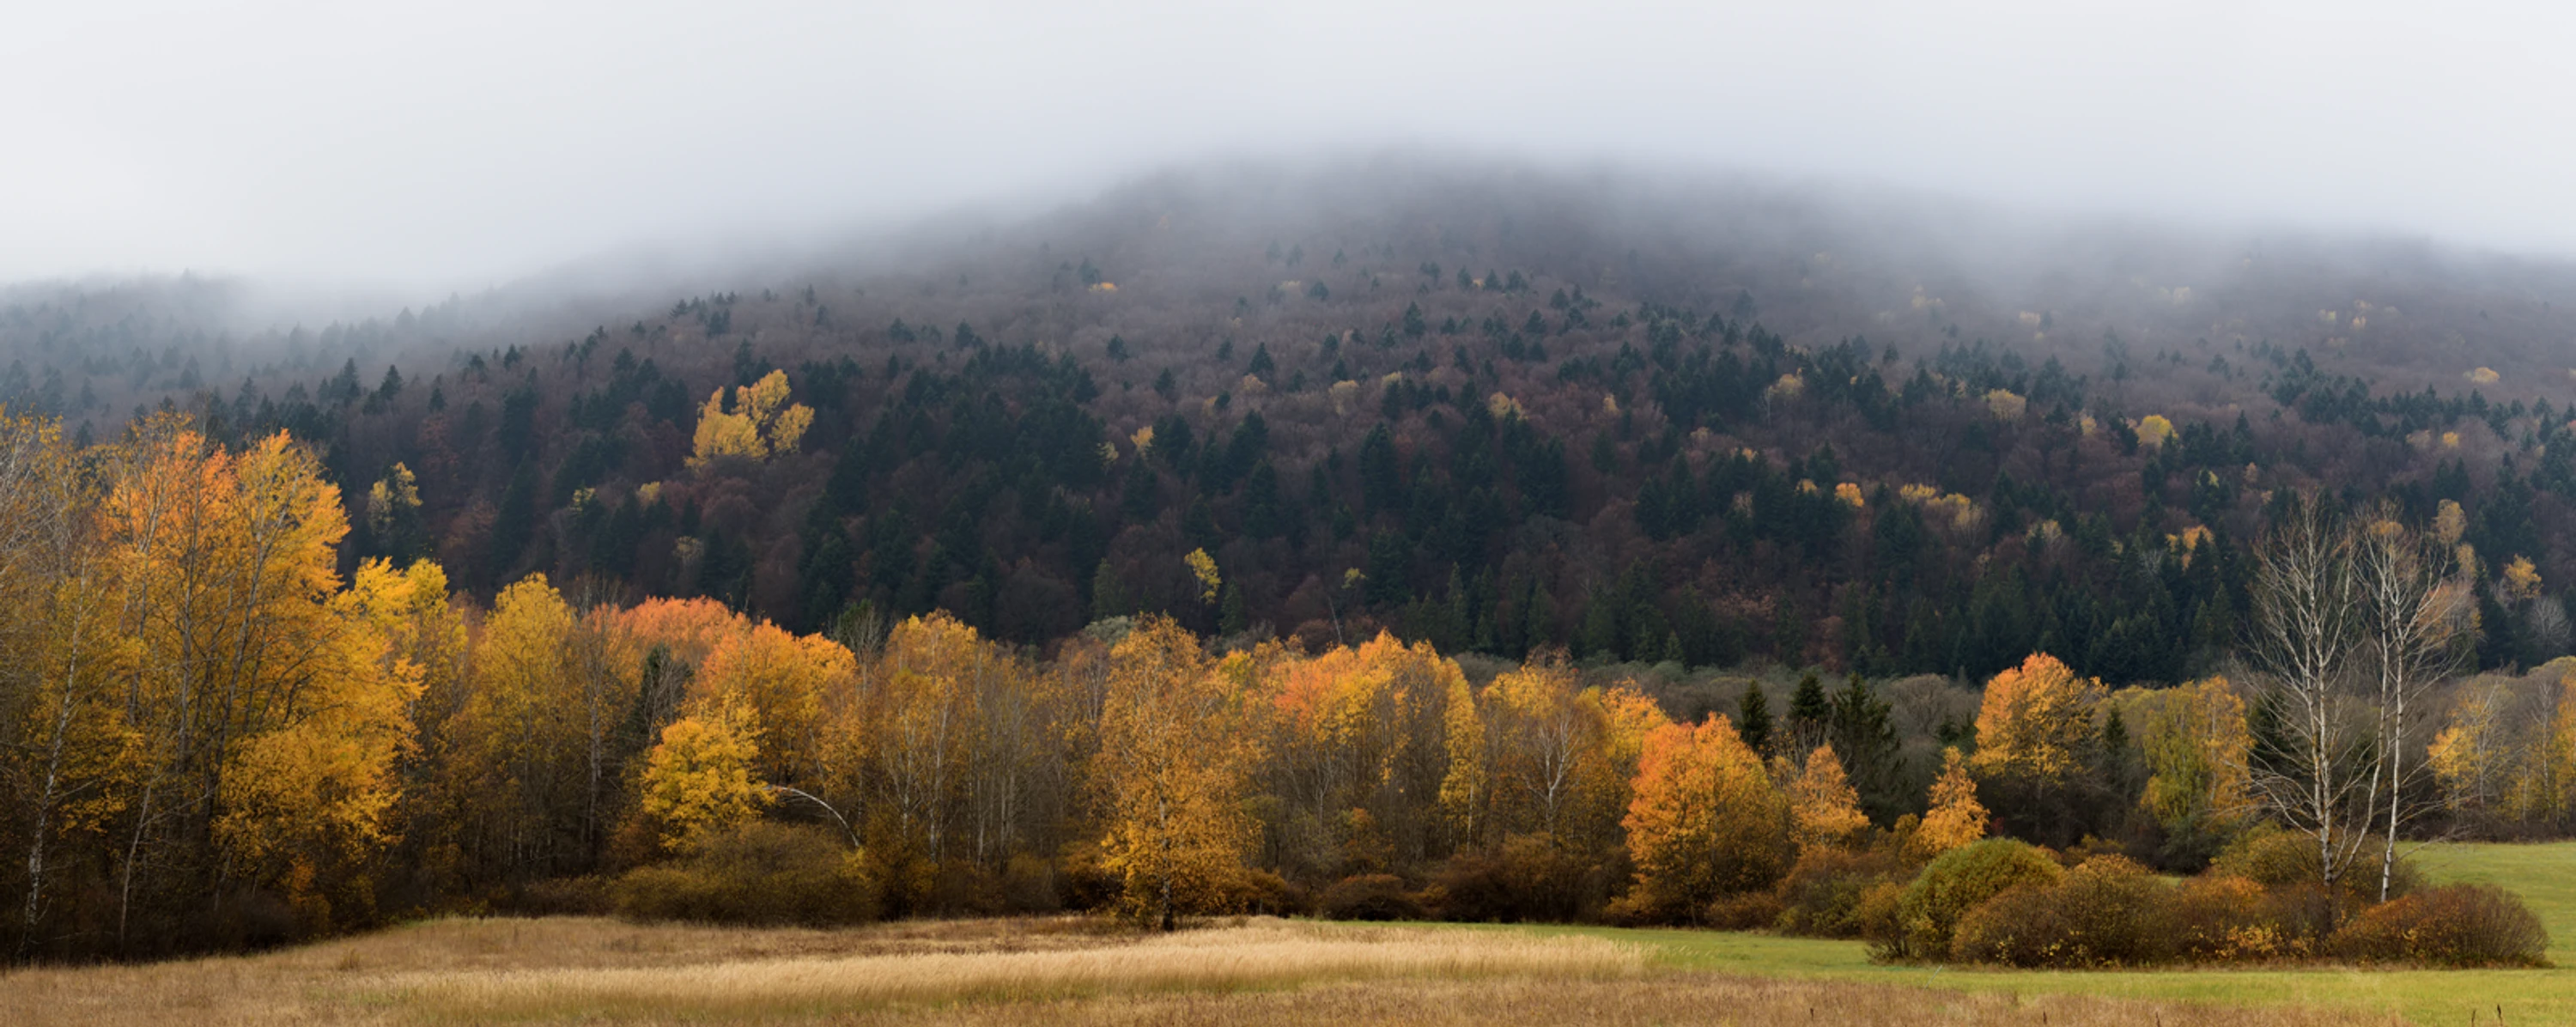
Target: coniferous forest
(1403, 541)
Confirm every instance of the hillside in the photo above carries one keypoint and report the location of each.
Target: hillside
(1706, 422)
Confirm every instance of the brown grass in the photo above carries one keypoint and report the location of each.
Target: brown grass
(1035, 972)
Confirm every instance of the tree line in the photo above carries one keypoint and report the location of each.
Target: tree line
(211, 738)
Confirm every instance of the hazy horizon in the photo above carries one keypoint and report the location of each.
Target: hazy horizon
(417, 149)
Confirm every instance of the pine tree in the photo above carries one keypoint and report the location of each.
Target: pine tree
(1809, 712)
(1753, 718)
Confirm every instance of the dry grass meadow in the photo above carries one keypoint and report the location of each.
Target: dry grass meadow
(1055, 972)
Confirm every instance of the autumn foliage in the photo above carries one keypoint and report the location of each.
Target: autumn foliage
(216, 738)
(1706, 821)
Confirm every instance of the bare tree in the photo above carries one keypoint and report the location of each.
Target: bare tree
(2415, 607)
(2304, 646)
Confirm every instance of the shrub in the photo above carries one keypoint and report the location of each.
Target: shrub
(1371, 897)
(1744, 911)
(1529, 878)
(2454, 925)
(1876, 914)
(2224, 918)
(1954, 883)
(2275, 858)
(2108, 912)
(756, 873)
(1821, 897)
(1262, 893)
(1029, 885)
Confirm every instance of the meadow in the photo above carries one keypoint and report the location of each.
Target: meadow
(1076, 970)
(2544, 875)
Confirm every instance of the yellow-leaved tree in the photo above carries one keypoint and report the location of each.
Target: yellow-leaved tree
(226, 564)
(68, 753)
(783, 682)
(317, 790)
(1704, 821)
(1824, 809)
(1363, 744)
(1956, 817)
(756, 422)
(699, 779)
(2035, 721)
(2196, 742)
(1170, 770)
(517, 748)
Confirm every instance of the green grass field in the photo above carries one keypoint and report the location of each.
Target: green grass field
(2544, 875)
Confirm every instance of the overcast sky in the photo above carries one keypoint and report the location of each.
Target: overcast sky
(465, 142)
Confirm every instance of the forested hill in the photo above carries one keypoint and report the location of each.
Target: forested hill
(1646, 420)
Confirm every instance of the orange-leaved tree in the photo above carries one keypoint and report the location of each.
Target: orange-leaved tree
(1824, 809)
(1705, 821)
(784, 682)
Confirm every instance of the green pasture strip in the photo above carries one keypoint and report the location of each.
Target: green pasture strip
(2544, 875)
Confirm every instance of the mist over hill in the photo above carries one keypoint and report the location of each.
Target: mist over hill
(1651, 417)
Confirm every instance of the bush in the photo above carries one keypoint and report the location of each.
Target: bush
(2275, 858)
(1821, 897)
(1371, 897)
(1262, 893)
(2223, 918)
(2108, 912)
(2455, 925)
(1530, 878)
(759, 873)
(1954, 883)
(1029, 885)
(1744, 911)
(1877, 912)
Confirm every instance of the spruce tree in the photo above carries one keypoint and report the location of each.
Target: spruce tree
(1753, 718)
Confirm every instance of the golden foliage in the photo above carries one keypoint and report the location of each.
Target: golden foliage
(1203, 568)
(1704, 820)
(2450, 522)
(2153, 430)
(1171, 770)
(782, 684)
(1559, 755)
(2521, 580)
(2005, 404)
(2035, 720)
(699, 779)
(392, 496)
(1956, 817)
(755, 423)
(1824, 809)
(322, 784)
(2196, 742)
